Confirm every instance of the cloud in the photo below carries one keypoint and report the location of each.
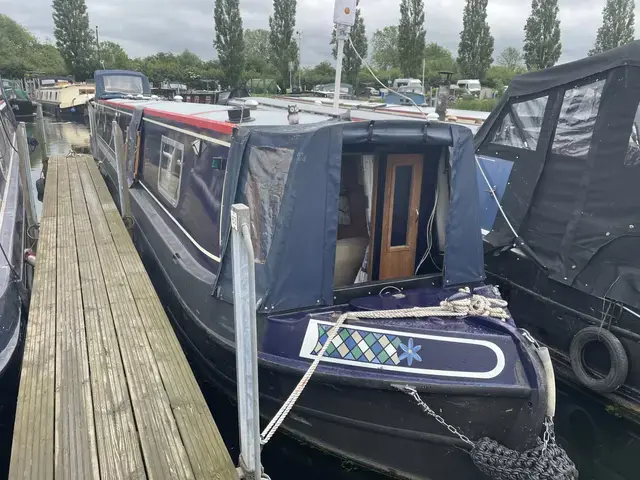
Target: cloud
(144, 27)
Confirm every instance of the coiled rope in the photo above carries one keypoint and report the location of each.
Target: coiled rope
(462, 304)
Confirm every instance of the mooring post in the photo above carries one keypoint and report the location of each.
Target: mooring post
(121, 161)
(92, 131)
(244, 306)
(25, 175)
(41, 133)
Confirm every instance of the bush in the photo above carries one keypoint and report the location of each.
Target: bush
(484, 105)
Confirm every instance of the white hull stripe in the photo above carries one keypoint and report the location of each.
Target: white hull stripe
(311, 339)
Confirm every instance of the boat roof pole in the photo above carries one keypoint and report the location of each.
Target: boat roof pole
(344, 17)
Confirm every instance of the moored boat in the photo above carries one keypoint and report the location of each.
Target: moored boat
(65, 101)
(14, 276)
(22, 106)
(562, 155)
(337, 228)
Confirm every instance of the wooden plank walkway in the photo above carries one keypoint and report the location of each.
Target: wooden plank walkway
(105, 389)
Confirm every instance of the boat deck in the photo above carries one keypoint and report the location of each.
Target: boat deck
(105, 390)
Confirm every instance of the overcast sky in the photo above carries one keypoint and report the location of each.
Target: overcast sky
(144, 27)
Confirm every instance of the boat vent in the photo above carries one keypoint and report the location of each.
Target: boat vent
(237, 115)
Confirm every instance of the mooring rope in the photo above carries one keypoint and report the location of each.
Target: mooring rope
(462, 304)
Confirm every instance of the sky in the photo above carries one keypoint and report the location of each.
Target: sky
(144, 27)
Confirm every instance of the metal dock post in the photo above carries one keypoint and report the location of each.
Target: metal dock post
(244, 305)
(121, 166)
(25, 175)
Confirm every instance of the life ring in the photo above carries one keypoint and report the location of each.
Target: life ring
(617, 356)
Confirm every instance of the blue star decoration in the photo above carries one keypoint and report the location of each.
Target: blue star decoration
(410, 352)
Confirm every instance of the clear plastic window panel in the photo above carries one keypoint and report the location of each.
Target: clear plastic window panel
(632, 158)
(521, 126)
(577, 120)
(123, 84)
(171, 156)
(266, 181)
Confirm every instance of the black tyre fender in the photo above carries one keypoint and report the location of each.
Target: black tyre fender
(618, 359)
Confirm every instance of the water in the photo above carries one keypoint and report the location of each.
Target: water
(603, 446)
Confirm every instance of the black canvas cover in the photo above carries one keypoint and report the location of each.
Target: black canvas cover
(572, 193)
(289, 176)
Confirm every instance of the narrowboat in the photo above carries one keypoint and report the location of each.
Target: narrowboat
(15, 275)
(22, 106)
(349, 215)
(562, 155)
(65, 101)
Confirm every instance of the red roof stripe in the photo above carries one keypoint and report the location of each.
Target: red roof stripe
(193, 120)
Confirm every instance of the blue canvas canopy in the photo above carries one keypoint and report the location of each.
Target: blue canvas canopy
(115, 83)
(289, 176)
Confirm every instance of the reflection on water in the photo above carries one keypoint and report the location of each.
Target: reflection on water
(603, 446)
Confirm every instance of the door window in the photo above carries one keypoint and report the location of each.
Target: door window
(170, 171)
(401, 204)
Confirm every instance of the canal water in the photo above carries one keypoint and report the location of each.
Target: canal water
(603, 446)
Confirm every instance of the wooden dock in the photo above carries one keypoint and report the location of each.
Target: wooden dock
(105, 389)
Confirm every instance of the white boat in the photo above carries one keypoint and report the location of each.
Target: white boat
(66, 100)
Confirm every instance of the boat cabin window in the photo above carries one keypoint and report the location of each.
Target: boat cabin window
(170, 171)
(86, 91)
(577, 120)
(267, 174)
(123, 84)
(522, 124)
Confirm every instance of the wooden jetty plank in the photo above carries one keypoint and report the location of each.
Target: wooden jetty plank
(33, 441)
(205, 448)
(118, 447)
(76, 454)
(105, 391)
(162, 448)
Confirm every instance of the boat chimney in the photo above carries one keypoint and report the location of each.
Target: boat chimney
(238, 115)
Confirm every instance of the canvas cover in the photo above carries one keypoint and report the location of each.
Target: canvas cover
(568, 140)
(114, 83)
(289, 176)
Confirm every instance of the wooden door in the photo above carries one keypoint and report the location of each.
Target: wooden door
(400, 216)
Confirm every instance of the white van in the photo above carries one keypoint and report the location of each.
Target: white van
(471, 86)
(406, 82)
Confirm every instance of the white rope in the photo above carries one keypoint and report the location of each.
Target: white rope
(462, 304)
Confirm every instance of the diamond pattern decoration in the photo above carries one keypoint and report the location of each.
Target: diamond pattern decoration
(360, 345)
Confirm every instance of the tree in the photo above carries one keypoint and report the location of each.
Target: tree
(74, 38)
(113, 56)
(257, 50)
(511, 58)
(320, 74)
(476, 43)
(20, 52)
(350, 62)
(498, 76)
(542, 46)
(283, 48)
(618, 19)
(229, 42)
(437, 59)
(385, 48)
(411, 34)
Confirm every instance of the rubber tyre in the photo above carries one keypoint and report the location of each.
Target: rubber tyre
(617, 355)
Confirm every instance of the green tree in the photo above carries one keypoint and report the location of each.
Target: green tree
(542, 46)
(283, 48)
(74, 38)
(385, 48)
(20, 52)
(411, 35)
(113, 56)
(351, 64)
(618, 20)
(257, 50)
(437, 59)
(229, 42)
(476, 43)
(499, 76)
(511, 58)
(319, 75)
